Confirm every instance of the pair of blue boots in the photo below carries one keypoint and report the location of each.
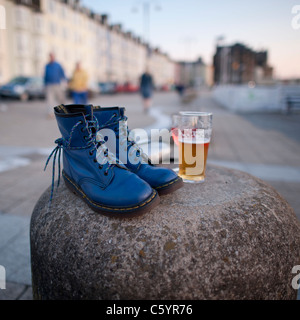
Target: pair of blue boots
(112, 176)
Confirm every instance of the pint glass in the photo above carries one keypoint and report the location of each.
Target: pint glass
(192, 133)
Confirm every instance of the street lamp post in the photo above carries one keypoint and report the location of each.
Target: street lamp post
(146, 15)
(146, 6)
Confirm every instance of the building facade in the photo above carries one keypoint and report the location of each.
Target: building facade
(74, 34)
(196, 73)
(238, 64)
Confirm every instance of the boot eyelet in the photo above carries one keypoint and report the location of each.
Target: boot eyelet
(95, 160)
(106, 173)
(100, 167)
(91, 153)
(85, 137)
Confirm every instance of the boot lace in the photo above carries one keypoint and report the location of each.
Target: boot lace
(94, 141)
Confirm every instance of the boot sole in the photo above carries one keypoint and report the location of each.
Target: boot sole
(124, 212)
(170, 187)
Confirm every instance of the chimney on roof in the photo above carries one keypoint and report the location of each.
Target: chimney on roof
(104, 19)
(118, 27)
(129, 34)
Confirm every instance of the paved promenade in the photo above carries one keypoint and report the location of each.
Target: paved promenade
(265, 145)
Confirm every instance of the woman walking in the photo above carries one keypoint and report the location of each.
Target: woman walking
(79, 85)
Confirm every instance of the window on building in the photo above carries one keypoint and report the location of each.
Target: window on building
(63, 11)
(51, 6)
(20, 70)
(22, 43)
(52, 28)
(21, 18)
(38, 24)
(65, 33)
(75, 18)
(28, 2)
(39, 48)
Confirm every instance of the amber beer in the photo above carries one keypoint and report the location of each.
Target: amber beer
(192, 133)
(192, 162)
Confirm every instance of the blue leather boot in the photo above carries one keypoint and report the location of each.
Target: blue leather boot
(90, 170)
(163, 180)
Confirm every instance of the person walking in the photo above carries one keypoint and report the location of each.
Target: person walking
(79, 85)
(53, 78)
(146, 89)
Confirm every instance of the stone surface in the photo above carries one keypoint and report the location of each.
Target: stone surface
(233, 237)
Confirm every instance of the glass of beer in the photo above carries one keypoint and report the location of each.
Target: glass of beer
(192, 133)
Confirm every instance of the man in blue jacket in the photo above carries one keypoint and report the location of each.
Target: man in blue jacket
(53, 78)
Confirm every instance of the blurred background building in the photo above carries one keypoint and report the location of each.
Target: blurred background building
(238, 64)
(75, 33)
(195, 73)
(111, 54)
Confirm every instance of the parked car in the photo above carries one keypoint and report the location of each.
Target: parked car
(24, 88)
(127, 87)
(165, 88)
(107, 87)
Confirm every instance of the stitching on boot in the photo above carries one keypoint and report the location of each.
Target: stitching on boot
(169, 183)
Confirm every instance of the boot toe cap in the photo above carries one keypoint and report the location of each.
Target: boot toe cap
(126, 190)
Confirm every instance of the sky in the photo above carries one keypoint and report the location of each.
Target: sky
(188, 29)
